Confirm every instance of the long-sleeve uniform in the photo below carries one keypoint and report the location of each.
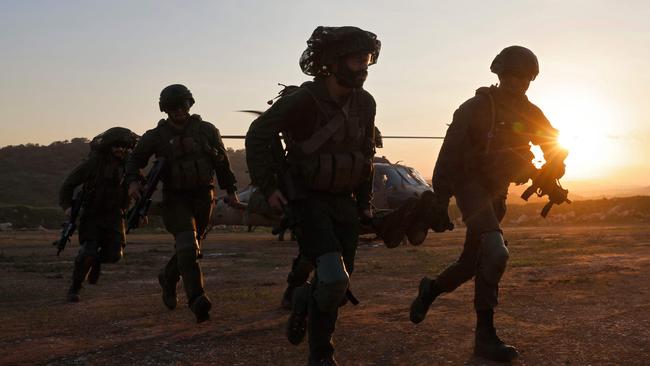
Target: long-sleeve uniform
(101, 224)
(327, 176)
(193, 154)
(485, 149)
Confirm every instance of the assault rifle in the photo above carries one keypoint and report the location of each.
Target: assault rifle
(547, 183)
(71, 224)
(140, 209)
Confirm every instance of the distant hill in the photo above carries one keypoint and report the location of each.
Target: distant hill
(600, 188)
(32, 174)
(619, 210)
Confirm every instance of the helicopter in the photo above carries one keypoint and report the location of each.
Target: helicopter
(393, 185)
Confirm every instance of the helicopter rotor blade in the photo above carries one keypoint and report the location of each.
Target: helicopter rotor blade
(251, 111)
(384, 137)
(414, 137)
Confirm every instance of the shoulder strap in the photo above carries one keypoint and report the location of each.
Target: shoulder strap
(493, 120)
(320, 136)
(166, 135)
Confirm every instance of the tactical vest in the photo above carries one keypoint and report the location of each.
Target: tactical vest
(104, 189)
(189, 155)
(507, 151)
(331, 159)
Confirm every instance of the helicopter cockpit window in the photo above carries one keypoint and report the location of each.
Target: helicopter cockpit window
(408, 176)
(396, 176)
(381, 180)
(416, 175)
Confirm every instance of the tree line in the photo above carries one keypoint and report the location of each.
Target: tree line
(32, 174)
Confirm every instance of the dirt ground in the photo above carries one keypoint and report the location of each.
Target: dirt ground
(571, 296)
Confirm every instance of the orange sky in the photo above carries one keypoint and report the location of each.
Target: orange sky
(74, 69)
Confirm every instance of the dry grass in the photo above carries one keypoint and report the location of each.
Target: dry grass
(575, 296)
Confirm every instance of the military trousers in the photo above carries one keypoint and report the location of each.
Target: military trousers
(186, 215)
(102, 239)
(325, 223)
(482, 211)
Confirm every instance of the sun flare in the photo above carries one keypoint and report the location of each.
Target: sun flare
(588, 129)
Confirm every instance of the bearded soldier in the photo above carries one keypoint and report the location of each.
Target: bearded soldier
(325, 178)
(193, 152)
(485, 149)
(101, 228)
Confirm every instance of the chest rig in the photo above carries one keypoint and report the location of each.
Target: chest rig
(331, 159)
(507, 150)
(187, 152)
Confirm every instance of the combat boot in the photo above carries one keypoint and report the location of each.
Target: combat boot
(73, 292)
(486, 343)
(82, 265)
(73, 296)
(297, 324)
(489, 346)
(95, 272)
(426, 294)
(168, 291)
(287, 296)
(201, 306)
(322, 361)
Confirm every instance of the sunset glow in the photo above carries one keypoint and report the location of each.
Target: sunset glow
(587, 125)
(428, 67)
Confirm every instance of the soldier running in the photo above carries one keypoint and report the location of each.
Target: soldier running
(485, 149)
(325, 180)
(193, 151)
(101, 225)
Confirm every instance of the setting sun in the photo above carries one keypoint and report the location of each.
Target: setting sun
(587, 126)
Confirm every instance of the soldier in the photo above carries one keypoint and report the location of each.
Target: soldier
(194, 152)
(485, 149)
(101, 225)
(325, 180)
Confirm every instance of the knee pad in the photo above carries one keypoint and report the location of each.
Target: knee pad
(333, 281)
(187, 248)
(493, 257)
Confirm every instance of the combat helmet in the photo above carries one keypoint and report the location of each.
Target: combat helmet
(174, 96)
(115, 136)
(516, 60)
(327, 44)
